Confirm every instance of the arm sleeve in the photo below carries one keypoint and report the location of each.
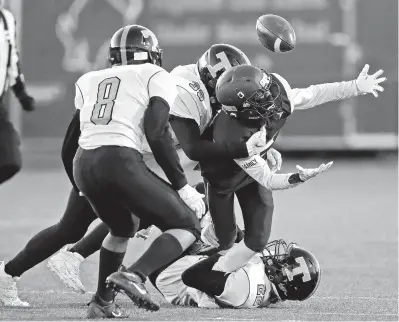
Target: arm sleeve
(304, 98)
(188, 135)
(201, 277)
(70, 146)
(156, 129)
(259, 170)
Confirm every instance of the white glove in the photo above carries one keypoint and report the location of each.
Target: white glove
(275, 159)
(257, 142)
(370, 83)
(193, 199)
(306, 174)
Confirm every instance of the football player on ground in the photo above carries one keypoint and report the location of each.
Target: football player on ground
(280, 272)
(302, 99)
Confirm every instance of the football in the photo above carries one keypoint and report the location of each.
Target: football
(275, 33)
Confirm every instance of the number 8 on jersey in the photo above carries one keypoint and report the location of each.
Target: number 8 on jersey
(106, 95)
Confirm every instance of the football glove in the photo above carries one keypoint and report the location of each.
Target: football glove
(306, 174)
(193, 199)
(275, 160)
(370, 83)
(257, 142)
(27, 102)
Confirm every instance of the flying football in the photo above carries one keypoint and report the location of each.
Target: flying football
(275, 33)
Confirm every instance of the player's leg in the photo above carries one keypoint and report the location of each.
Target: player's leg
(10, 155)
(257, 207)
(66, 263)
(72, 226)
(95, 178)
(92, 242)
(221, 208)
(148, 196)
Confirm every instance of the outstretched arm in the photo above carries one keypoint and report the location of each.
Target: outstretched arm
(259, 170)
(304, 98)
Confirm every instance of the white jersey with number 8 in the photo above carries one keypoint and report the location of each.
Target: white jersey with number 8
(112, 103)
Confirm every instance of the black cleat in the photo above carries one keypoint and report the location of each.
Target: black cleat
(131, 285)
(99, 309)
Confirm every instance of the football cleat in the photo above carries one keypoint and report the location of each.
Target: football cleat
(132, 285)
(99, 309)
(9, 290)
(66, 265)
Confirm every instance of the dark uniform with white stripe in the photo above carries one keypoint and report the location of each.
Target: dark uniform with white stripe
(227, 179)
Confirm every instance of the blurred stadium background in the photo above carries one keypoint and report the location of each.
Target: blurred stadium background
(348, 217)
(60, 40)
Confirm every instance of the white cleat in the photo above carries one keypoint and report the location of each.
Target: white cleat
(9, 290)
(66, 265)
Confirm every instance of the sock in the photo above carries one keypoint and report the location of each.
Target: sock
(235, 258)
(109, 263)
(91, 243)
(162, 251)
(39, 247)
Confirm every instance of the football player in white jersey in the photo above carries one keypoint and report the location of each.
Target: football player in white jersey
(119, 108)
(280, 272)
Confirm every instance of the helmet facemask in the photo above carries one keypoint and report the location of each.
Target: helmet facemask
(280, 267)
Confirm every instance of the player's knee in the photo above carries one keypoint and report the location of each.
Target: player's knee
(258, 242)
(226, 239)
(189, 223)
(188, 277)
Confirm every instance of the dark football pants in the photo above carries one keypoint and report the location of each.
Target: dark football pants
(10, 155)
(117, 183)
(257, 210)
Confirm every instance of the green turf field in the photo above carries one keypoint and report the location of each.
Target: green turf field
(347, 218)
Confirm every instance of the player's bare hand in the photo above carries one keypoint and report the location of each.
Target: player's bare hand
(306, 174)
(370, 84)
(257, 142)
(275, 160)
(193, 199)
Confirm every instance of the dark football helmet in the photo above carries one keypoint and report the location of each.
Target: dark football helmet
(248, 93)
(293, 270)
(217, 59)
(134, 44)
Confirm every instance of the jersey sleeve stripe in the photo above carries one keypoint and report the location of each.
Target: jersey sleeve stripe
(149, 80)
(195, 101)
(81, 93)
